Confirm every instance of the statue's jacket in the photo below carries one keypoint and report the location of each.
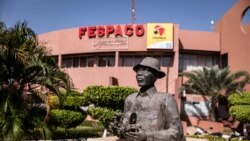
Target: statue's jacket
(157, 114)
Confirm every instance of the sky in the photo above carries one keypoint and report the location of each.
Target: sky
(50, 15)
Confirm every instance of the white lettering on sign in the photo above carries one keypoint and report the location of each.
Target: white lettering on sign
(110, 43)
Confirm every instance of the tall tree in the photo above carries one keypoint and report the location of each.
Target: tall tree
(25, 69)
(217, 83)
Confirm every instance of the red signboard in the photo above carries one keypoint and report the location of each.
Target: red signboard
(116, 31)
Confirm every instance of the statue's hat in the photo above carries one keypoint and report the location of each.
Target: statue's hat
(152, 63)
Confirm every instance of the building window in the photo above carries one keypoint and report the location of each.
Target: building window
(90, 61)
(77, 61)
(224, 60)
(83, 61)
(196, 61)
(132, 60)
(67, 62)
(106, 61)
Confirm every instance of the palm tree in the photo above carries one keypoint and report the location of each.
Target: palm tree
(25, 69)
(215, 83)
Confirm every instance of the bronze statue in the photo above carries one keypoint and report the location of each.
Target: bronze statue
(149, 115)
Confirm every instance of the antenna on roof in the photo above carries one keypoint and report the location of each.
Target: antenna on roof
(133, 12)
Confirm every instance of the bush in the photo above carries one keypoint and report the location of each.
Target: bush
(54, 101)
(70, 102)
(241, 112)
(240, 106)
(111, 96)
(65, 118)
(78, 132)
(74, 102)
(237, 99)
(104, 115)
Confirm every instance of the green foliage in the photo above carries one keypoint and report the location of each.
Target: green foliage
(217, 83)
(111, 97)
(65, 118)
(239, 99)
(241, 112)
(25, 67)
(240, 106)
(78, 132)
(53, 101)
(104, 115)
(70, 102)
(75, 101)
(209, 137)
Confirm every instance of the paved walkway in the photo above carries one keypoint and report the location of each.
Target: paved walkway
(115, 139)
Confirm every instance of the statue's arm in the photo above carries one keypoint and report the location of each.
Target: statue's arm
(174, 131)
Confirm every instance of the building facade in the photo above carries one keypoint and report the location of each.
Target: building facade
(106, 54)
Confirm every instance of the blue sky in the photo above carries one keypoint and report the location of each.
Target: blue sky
(49, 15)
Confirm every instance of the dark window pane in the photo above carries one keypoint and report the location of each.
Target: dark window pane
(166, 61)
(202, 60)
(121, 61)
(67, 62)
(83, 62)
(137, 60)
(76, 62)
(111, 61)
(90, 61)
(102, 61)
(209, 60)
(128, 61)
(193, 60)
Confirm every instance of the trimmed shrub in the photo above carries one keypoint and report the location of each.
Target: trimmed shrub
(104, 115)
(237, 99)
(241, 112)
(65, 118)
(74, 102)
(240, 106)
(70, 102)
(108, 96)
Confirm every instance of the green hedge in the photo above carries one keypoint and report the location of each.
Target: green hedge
(78, 132)
(241, 112)
(70, 102)
(240, 106)
(65, 118)
(237, 99)
(75, 101)
(104, 115)
(108, 96)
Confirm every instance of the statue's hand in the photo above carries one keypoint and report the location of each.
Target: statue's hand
(136, 136)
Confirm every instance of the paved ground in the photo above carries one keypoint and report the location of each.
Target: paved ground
(115, 139)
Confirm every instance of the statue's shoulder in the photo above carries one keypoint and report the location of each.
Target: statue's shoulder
(131, 96)
(165, 95)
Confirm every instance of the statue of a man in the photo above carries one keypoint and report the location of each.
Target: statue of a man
(150, 115)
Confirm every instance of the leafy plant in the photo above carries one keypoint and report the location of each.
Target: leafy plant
(65, 118)
(217, 83)
(240, 106)
(110, 97)
(104, 115)
(26, 71)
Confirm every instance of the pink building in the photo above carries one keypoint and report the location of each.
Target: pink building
(91, 59)
(105, 54)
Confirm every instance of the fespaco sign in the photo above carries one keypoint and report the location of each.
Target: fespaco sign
(110, 30)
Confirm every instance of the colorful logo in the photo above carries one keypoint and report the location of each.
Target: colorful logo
(160, 35)
(159, 30)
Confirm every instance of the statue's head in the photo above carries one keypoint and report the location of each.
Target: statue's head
(148, 71)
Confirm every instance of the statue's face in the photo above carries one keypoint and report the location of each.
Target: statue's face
(145, 77)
